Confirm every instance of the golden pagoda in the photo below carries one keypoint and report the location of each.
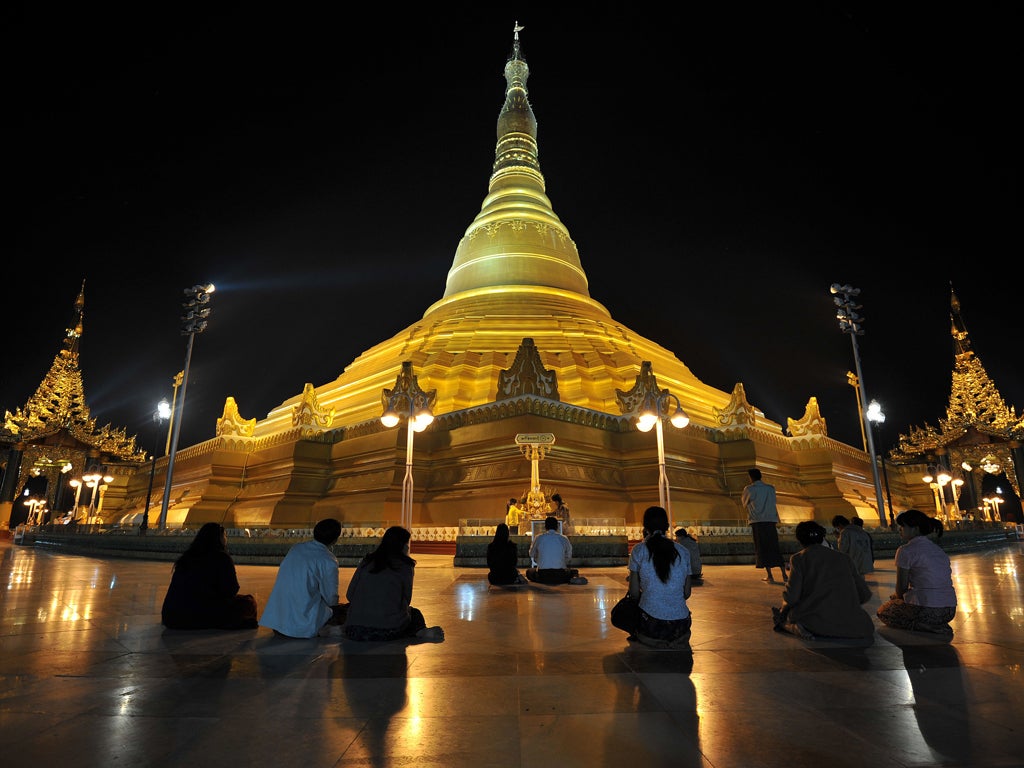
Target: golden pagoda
(54, 436)
(980, 436)
(516, 345)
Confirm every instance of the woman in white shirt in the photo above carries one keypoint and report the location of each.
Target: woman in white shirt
(924, 600)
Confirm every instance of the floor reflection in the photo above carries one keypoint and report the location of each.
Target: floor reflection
(376, 689)
(940, 701)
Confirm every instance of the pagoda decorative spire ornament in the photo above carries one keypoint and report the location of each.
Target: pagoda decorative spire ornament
(516, 210)
(978, 422)
(53, 434)
(59, 403)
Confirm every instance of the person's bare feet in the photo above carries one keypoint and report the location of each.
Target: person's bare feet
(431, 634)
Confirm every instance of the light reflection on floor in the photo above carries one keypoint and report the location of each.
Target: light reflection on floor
(527, 676)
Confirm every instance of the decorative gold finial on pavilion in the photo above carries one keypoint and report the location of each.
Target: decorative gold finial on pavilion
(975, 406)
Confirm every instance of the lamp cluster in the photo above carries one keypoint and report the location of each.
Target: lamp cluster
(196, 311)
(402, 404)
(656, 406)
(846, 312)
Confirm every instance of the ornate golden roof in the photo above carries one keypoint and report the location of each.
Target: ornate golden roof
(59, 404)
(974, 403)
(516, 275)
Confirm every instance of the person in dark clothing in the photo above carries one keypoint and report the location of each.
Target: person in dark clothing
(690, 545)
(380, 595)
(503, 559)
(203, 593)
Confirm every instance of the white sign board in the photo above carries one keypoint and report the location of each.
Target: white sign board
(535, 438)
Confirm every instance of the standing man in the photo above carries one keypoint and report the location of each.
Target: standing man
(551, 553)
(304, 599)
(759, 501)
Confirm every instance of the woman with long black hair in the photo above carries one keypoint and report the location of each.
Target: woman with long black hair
(203, 593)
(503, 559)
(659, 582)
(380, 594)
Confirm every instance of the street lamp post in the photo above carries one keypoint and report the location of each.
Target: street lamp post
(77, 485)
(33, 505)
(193, 322)
(409, 401)
(995, 500)
(659, 405)
(850, 322)
(98, 484)
(938, 482)
(162, 413)
(876, 417)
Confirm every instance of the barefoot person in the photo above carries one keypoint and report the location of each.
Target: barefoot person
(759, 501)
(304, 600)
(380, 594)
(924, 600)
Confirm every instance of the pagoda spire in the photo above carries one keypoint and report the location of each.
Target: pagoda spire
(59, 402)
(974, 400)
(516, 242)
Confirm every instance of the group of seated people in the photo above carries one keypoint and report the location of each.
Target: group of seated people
(304, 601)
(822, 599)
(826, 589)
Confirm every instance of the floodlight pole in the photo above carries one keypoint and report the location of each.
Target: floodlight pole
(193, 322)
(850, 322)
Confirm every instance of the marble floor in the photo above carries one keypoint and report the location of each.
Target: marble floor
(527, 676)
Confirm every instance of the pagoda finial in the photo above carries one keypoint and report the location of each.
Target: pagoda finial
(74, 330)
(516, 29)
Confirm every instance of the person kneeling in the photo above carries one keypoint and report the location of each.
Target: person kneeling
(690, 545)
(825, 592)
(659, 585)
(380, 595)
(551, 553)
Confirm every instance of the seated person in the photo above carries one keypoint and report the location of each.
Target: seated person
(925, 599)
(304, 599)
(825, 593)
(380, 595)
(503, 559)
(561, 512)
(551, 553)
(689, 543)
(659, 582)
(860, 524)
(855, 542)
(204, 588)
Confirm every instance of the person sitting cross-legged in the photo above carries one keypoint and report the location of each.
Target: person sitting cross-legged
(693, 548)
(380, 595)
(304, 599)
(551, 552)
(659, 584)
(502, 559)
(825, 592)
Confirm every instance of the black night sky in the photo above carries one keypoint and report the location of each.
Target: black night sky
(717, 167)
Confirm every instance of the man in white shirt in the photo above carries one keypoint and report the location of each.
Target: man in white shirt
(551, 553)
(304, 599)
(758, 499)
